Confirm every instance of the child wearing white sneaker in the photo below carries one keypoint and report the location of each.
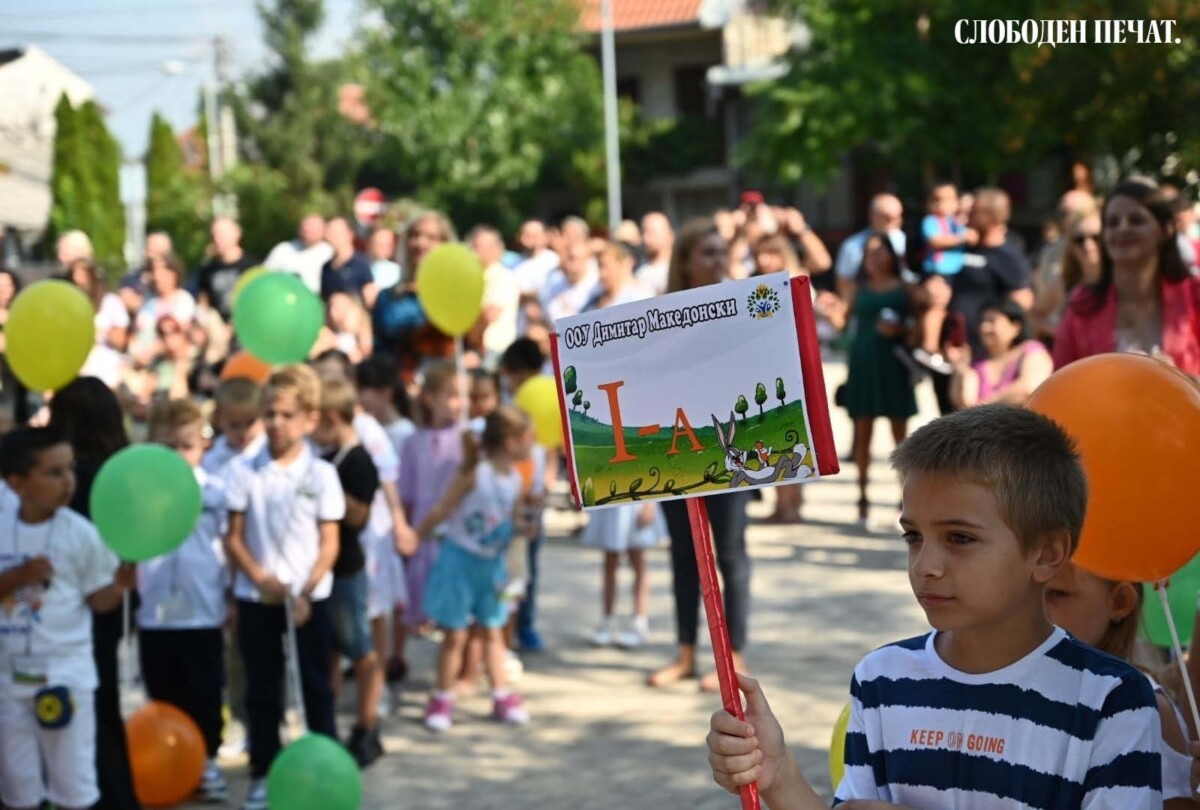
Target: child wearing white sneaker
(180, 639)
(476, 520)
(628, 530)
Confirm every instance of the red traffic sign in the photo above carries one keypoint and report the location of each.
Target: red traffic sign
(368, 206)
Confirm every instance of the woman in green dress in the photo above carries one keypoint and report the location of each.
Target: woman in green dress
(879, 384)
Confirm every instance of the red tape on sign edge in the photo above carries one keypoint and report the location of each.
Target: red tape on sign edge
(815, 398)
(566, 427)
(718, 630)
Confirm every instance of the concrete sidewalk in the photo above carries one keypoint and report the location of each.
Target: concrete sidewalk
(824, 594)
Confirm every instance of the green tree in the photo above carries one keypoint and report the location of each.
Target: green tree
(760, 398)
(176, 198)
(577, 400)
(289, 121)
(68, 204)
(587, 406)
(570, 380)
(476, 101)
(742, 406)
(888, 80)
(86, 183)
(780, 391)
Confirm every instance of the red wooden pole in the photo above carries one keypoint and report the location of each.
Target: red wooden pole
(718, 630)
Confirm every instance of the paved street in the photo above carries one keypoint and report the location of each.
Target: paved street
(825, 593)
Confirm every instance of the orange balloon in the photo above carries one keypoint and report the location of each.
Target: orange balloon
(1136, 422)
(244, 364)
(166, 754)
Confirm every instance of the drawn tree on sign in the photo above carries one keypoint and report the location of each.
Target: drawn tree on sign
(742, 406)
(570, 380)
(586, 406)
(780, 391)
(577, 400)
(760, 398)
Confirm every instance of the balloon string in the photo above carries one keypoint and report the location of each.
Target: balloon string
(292, 651)
(125, 674)
(464, 413)
(1161, 587)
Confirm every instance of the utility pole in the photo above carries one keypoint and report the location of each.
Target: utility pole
(612, 140)
(220, 132)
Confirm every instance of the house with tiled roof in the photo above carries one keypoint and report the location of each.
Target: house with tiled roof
(687, 61)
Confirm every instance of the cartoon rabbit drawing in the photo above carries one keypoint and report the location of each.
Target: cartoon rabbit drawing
(735, 459)
(789, 466)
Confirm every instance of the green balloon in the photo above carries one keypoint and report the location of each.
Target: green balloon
(145, 502)
(277, 318)
(1181, 596)
(314, 773)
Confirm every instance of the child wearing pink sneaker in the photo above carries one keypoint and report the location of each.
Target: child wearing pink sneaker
(476, 521)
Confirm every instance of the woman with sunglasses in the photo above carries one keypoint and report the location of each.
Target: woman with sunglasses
(1080, 265)
(1144, 300)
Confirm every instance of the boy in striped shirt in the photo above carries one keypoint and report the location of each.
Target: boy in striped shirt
(996, 708)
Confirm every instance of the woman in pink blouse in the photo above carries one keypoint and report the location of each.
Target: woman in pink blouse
(1146, 300)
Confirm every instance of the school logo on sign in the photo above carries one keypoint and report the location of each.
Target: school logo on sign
(763, 302)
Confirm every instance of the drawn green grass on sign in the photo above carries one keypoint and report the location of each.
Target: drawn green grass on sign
(655, 474)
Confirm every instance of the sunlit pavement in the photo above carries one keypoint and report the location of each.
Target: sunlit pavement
(824, 593)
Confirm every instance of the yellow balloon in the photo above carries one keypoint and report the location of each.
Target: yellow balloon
(50, 331)
(837, 748)
(243, 281)
(450, 288)
(538, 397)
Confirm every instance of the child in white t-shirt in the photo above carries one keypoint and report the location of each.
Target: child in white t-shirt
(54, 570)
(238, 418)
(180, 620)
(284, 508)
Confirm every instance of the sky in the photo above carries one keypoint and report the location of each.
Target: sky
(120, 47)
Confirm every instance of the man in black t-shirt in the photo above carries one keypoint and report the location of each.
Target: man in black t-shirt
(352, 635)
(216, 277)
(992, 270)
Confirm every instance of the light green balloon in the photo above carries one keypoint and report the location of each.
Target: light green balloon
(278, 318)
(145, 502)
(314, 773)
(1181, 596)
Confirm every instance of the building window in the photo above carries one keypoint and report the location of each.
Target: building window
(629, 87)
(690, 91)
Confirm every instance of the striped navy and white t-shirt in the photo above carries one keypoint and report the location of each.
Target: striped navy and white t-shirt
(1067, 726)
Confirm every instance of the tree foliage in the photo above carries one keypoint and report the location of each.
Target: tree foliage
(887, 77)
(780, 391)
(760, 397)
(570, 379)
(289, 122)
(742, 406)
(475, 101)
(177, 198)
(86, 185)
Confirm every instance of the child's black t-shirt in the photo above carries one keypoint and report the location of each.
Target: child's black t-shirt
(360, 481)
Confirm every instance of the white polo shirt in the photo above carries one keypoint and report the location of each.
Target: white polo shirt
(283, 507)
(52, 624)
(185, 590)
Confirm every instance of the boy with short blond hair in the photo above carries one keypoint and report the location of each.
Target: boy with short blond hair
(284, 508)
(995, 707)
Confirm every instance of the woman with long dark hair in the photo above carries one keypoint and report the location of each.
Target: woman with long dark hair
(87, 412)
(878, 383)
(700, 258)
(1146, 300)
